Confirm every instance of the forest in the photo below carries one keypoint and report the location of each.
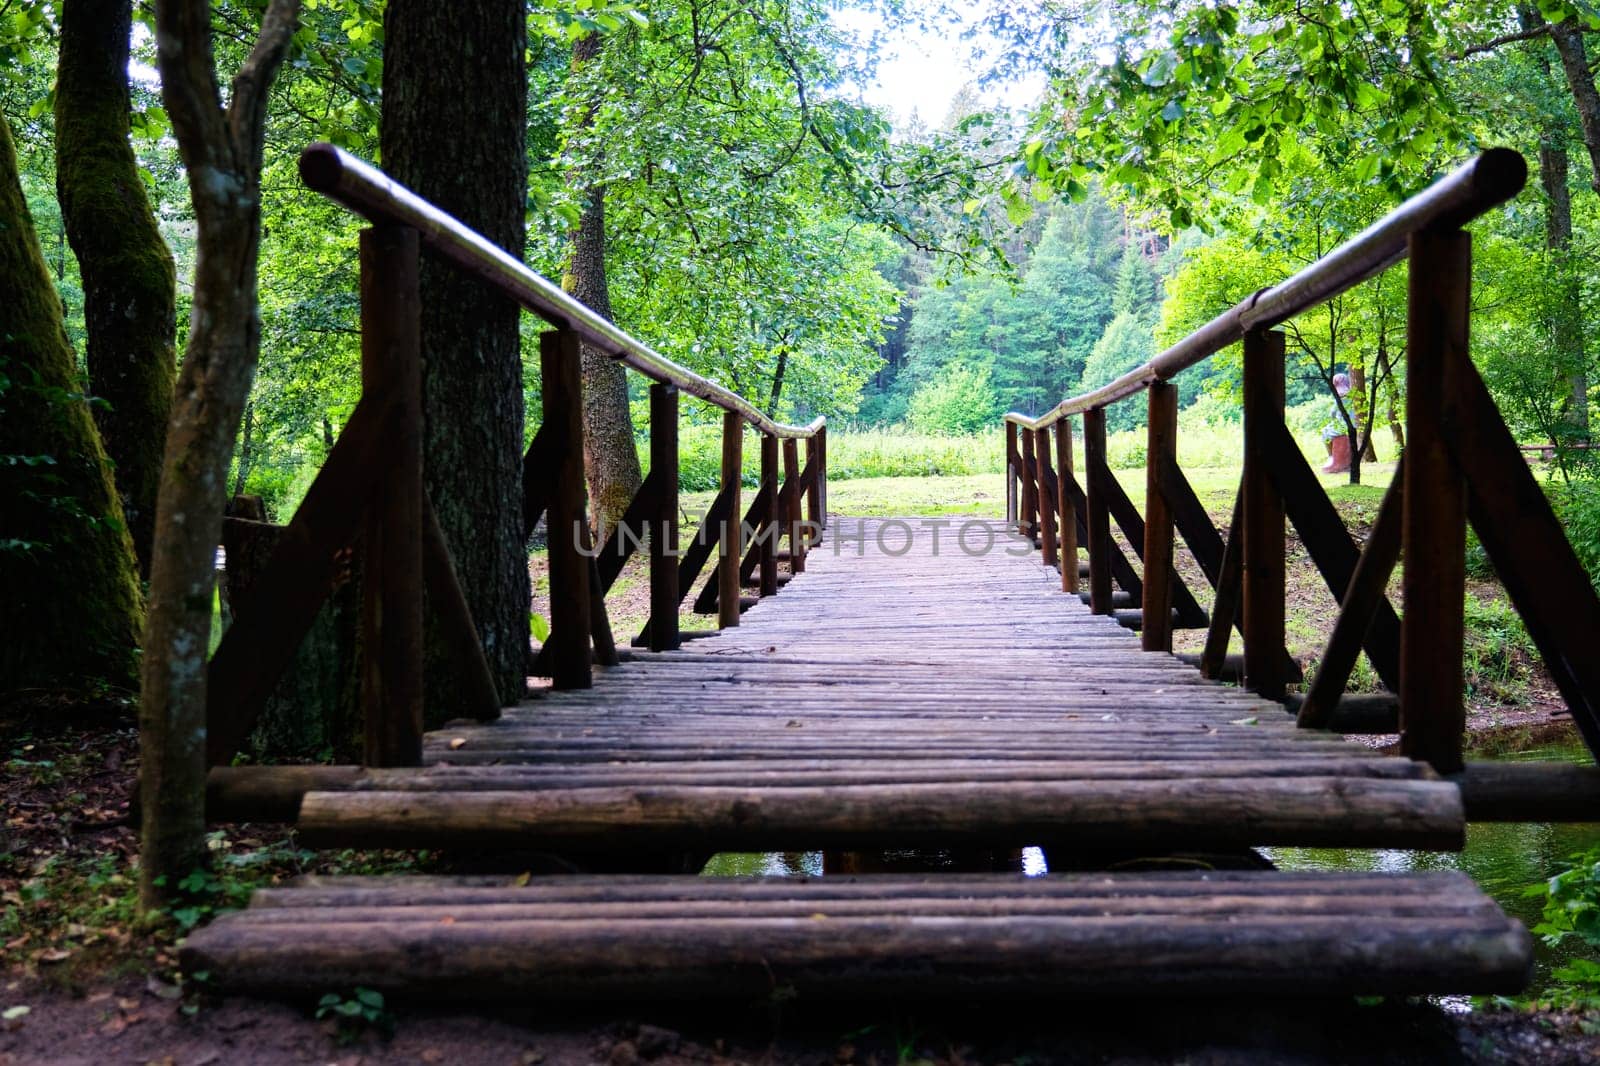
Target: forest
(186, 338)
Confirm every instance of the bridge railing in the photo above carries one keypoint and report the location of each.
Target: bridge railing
(368, 503)
(1461, 464)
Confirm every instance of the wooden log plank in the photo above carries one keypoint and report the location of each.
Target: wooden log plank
(1529, 792)
(697, 937)
(1215, 812)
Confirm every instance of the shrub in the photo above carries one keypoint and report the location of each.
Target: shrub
(958, 400)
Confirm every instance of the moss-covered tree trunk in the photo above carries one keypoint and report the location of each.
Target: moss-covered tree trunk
(221, 150)
(69, 596)
(455, 97)
(128, 283)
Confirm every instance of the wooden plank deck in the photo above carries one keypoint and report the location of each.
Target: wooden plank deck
(896, 695)
(1205, 934)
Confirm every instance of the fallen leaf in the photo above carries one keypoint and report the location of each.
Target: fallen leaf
(11, 1014)
(1252, 720)
(457, 743)
(53, 955)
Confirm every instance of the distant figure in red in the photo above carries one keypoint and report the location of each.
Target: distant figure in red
(1335, 435)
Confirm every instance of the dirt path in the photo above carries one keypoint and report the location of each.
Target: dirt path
(129, 1023)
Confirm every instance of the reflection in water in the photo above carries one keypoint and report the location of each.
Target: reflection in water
(771, 864)
(1502, 858)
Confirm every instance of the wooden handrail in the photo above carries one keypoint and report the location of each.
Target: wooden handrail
(1484, 183)
(377, 197)
(1461, 464)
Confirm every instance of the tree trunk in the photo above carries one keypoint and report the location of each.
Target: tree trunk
(454, 111)
(610, 458)
(1567, 327)
(1568, 38)
(777, 382)
(70, 611)
(128, 281)
(221, 151)
(247, 451)
(1363, 411)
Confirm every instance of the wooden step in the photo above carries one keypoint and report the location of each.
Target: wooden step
(1214, 812)
(595, 938)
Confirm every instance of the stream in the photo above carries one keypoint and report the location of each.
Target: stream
(1502, 858)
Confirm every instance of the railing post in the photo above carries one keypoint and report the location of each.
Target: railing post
(1047, 512)
(1067, 510)
(569, 570)
(768, 533)
(731, 542)
(790, 512)
(1263, 598)
(664, 592)
(1433, 537)
(1029, 526)
(822, 475)
(1011, 474)
(1160, 453)
(814, 511)
(1099, 517)
(391, 576)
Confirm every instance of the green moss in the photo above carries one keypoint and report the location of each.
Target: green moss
(71, 610)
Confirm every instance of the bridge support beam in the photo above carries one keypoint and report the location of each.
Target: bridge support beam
(1067, 508)
(570, 603)
(1161, 452)
(1263, 517)
(1433, 530)
(731, 544)
(1095, 472)
(1048, 507)
(665, 594)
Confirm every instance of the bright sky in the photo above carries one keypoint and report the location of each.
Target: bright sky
(920, 72)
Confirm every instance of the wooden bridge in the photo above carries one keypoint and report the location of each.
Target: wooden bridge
(920, 684)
